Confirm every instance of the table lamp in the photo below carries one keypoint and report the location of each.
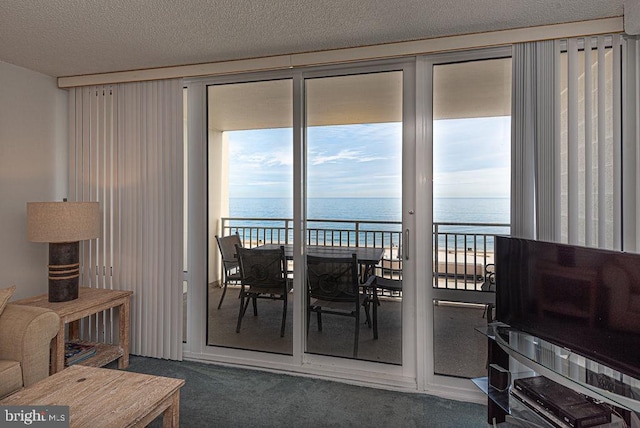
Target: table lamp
(63, 225)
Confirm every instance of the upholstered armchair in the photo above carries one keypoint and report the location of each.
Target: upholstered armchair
(25, 340)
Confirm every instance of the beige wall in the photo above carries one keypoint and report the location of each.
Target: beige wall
(33, 164)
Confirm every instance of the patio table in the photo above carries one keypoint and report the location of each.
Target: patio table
(367, 256)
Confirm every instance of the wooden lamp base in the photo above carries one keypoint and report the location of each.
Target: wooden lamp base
(64, 271)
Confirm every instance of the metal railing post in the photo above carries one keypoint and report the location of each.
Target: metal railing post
(436, 251)
(286, 231)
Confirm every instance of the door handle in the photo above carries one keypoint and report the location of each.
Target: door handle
(406, 244)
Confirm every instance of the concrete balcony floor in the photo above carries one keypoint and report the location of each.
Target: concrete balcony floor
(458, 349)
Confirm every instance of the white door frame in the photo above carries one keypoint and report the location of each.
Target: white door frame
(416, 372)
(428, 380)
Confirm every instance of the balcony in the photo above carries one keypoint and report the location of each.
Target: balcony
(462, 252)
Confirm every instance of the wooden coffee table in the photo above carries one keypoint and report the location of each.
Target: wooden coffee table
(105, 398)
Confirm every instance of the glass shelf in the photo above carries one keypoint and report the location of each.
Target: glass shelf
(566, 367)
(501, 398)
(510, 405)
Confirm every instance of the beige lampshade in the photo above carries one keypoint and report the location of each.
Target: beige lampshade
(62, 221)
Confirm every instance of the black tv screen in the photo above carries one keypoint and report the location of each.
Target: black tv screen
(584, 299)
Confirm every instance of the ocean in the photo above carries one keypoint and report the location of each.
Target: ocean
(343, 210)
(445, 210)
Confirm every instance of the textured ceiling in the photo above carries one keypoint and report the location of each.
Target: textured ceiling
(73, 37)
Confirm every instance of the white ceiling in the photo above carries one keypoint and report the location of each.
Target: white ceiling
(75, 37)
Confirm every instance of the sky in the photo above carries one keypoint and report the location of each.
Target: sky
(471, 159)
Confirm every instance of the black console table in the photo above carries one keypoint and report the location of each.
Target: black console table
(524, 355)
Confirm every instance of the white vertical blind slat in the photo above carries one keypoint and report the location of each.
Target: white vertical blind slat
(522, 135)
(588, 144)
(72, 117)
(617, 143)
(544, 141)
(157, 197)
(97, 160)
(572, 141)
(557, 197)
(152, 198)
(90, 172)
(177, 184)
(165, 208)
(105, 193)
(139, 203)
(88, 98)
(149, 212)
(96, 182)
(107, 211)
(602, 133)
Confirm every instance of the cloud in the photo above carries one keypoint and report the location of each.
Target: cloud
(343, 155)
(256, 159)
(266, 183)
(261, 148)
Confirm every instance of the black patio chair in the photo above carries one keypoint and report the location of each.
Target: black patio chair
(264, 276)
(334, 289)
(230, 267)
(393, 286)
(489, 285)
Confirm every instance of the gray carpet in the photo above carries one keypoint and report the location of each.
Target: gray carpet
(216, 396)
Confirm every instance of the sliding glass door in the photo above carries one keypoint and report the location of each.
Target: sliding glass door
(352, 162)
(354, 156)
(319, 161)
(250, 179)
(471, 129)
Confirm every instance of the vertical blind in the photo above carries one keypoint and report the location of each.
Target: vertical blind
(568, 148)
(523, 136)
(591, 123)
(533, 140)
(126, 152)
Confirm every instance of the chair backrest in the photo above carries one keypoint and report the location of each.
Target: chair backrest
(489, 283)
(227, 245)
(262, 268)
(334, 279)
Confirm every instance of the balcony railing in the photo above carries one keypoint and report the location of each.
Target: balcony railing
(462, 251)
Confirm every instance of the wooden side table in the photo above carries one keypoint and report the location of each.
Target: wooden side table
(90, 301)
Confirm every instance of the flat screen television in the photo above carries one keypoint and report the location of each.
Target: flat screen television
(584, 299)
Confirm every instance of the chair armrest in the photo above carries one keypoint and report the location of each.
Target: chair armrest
(371, 281)
(370, 286)
(25, 336)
